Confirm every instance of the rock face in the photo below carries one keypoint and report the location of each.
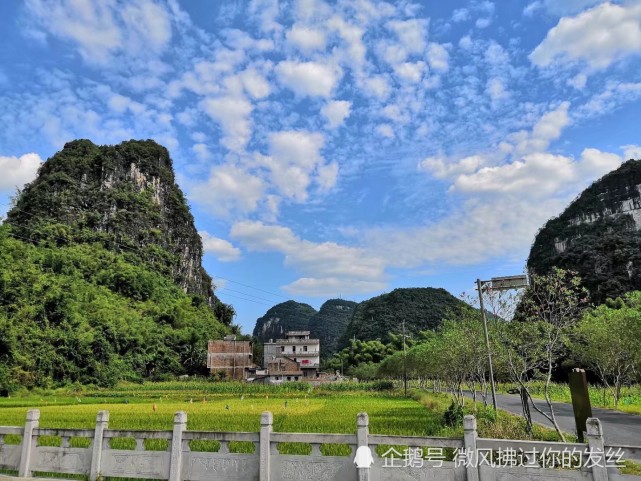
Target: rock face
(283, 317)
(598, 235)
(329, 324)
(125, 197)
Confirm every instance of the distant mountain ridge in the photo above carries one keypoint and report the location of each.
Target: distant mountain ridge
(598, 235)
(330, 323)
(423, 308)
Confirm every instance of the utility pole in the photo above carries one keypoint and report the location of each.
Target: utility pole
(404, 361)
(487, 342)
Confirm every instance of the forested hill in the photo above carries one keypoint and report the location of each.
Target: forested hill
(329, 324)
(100, 272)
(283, 317)
(422, 308)
(597, 235)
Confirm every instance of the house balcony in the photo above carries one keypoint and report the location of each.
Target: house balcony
(285, 342)
(301, 354)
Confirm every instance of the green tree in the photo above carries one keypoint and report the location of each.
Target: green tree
(607, 341)
(553, 303)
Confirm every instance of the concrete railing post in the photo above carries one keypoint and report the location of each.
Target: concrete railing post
(102, 423)
(175, 462)
(363, 459)
(266, 421)
(597, 449)
(28, 442)
(469, 439)
(362, 429)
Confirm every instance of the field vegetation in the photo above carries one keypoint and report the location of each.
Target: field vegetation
(297, 407)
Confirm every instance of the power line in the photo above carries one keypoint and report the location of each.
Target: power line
(251, 287)
(244, 294)
(248, 300)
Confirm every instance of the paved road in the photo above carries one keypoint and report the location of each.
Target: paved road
(618, 428)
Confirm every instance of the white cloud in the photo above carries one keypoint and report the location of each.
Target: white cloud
(221, 248)
(308, 78)
(378, 86)
(539, 175)
(411, 71)
(547, 129)
(599, 37)
(438, 57)
(202, 151)
(327, 175)
(229, 190)
(412, 34)
(443, 168)
(103, 29)
(505, 207)
(496, 90)
(614, 95)
(353, 52)
(296, 147)
(255, 83)
(306, 39)
(460, 15)
(496, 54)
(385, 130)
(267, 13)
(332, 286)
(336, 112)
(295, 160)
(17, 171)
(578, 81)
(631, 152)
(473, 233)
(328, 268)
(559, 8)
(233, 115)
(483, 22)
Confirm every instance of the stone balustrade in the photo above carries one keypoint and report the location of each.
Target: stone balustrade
(266, 463)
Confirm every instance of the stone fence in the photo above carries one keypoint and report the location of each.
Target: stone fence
(403, 457)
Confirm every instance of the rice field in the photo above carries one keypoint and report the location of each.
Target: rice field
(322, 414)
(210, 407)
(296, 407)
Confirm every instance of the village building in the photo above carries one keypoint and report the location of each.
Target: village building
(230, 358)
(295, 358)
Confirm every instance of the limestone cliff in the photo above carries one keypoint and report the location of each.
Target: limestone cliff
(598, 235)
(283, 317)
(126, 198)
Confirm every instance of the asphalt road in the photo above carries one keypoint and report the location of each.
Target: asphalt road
(618, 428)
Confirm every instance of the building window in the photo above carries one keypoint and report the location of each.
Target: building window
(289, 378)
(282, 348)
(305, 348)
(296, 378)
(293, 348)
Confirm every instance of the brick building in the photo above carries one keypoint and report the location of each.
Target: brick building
(230, 356)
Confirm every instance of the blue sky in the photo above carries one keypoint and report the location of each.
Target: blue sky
(336, 148)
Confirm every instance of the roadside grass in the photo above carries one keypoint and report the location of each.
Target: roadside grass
(630, 401)
(630, 467)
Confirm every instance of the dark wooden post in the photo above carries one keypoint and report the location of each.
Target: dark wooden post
(580, 400)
